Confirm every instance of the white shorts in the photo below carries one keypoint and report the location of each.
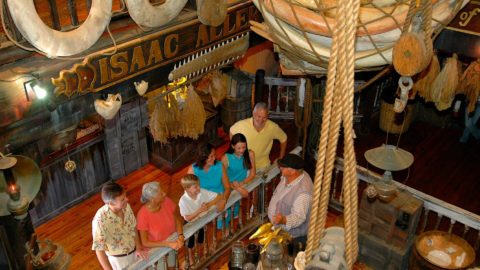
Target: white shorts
(121, 263)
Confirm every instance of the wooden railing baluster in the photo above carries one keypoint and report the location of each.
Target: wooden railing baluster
(205, 242)
(232, 216)
(269, 97)
(439, 219)
(277, 109)
(450, 228)
(176, 260)
(286, 103)
(465, 231)
(214, 234)
(425, 219)
(163, 262)
(187, 256)
(195, 251)
(240, 214)
(224, 225)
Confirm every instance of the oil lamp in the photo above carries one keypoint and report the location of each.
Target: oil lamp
(14, 191)
(389, 158)
(20, 180)
(17, 205)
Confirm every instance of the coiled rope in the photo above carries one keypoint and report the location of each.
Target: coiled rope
(337, 109)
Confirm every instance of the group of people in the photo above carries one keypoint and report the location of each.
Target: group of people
(119, 238)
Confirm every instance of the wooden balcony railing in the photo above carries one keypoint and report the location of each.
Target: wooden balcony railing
(434, 211)
(214, 246)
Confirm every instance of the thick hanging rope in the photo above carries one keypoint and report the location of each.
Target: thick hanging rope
(338, 108)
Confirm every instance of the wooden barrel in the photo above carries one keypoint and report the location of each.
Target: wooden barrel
(387, 121)
(437, 250)
(234, 110)
(53, 257)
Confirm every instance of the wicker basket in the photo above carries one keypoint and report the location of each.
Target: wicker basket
(387, 118)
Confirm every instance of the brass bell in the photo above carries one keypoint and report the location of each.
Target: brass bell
(70, 166)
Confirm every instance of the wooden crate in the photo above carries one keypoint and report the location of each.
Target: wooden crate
(394, 222)
(379, 255)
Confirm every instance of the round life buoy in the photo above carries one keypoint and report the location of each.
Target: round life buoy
(315, 47)
(55, 43)
(145, 14)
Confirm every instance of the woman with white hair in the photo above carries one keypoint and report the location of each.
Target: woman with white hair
(159, 218)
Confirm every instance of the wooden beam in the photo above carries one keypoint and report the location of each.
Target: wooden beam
(382, 73)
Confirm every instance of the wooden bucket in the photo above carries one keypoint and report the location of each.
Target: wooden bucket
(51, 257)
(387, 118)
(440, 250)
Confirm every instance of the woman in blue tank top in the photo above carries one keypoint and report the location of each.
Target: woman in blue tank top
(211, 174)
(239, 162)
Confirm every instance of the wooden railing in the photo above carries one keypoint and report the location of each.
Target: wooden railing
(260, 189)
(281, 97)
(437, 214)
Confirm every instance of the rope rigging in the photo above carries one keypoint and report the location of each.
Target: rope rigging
(338, 109)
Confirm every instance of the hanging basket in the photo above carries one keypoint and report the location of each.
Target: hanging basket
(387, 121)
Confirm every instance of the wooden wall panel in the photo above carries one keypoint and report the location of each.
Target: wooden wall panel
(125, 140)
(61, 189)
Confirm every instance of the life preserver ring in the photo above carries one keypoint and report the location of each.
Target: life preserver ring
(145, 14)
(311, 50)
(55, 43)
(375, 19)
(327, 4)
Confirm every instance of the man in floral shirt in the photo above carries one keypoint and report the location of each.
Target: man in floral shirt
(115, 238)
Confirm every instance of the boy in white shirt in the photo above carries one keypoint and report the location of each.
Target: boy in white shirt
(193, 203)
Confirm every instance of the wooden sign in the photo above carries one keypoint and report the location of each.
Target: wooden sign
(99, 71)
(468, 19)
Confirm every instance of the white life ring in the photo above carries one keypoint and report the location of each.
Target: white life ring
(315, 47)
(55, 43)
(145, 14)
(313, 4)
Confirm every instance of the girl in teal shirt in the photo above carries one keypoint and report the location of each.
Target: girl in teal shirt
(239, 162)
